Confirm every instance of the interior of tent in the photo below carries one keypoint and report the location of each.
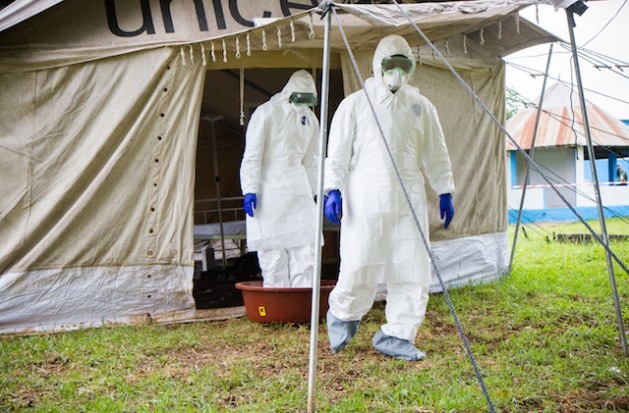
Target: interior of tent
(220, 230)
(127, 145)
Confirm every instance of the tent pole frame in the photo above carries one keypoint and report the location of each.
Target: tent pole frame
(528, 164)
(597, 190)
(217, 183)
(316, 279)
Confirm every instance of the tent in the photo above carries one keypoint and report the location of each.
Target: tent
(99, 123)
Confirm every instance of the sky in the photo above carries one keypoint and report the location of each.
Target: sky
(613, 41)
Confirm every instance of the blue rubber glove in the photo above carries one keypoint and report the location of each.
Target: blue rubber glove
(446, 206)
(333, 208)
(250, 203)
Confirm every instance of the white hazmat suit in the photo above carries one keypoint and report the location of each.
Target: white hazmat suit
(379, 239)
(279, 166)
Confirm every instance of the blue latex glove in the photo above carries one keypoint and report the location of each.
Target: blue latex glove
(250, 203)
(333, 208)
(446, 206)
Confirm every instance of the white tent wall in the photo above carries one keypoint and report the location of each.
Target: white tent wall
(475, 247)
(97, 183)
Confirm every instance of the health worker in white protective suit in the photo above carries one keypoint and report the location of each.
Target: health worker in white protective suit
(278, 180)
(380, 242)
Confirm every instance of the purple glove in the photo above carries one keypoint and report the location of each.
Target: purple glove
(333, 208)
(250, 203)
(446, 206)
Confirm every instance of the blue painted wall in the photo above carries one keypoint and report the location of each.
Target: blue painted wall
(603, 169)
(514, 168)
(565, 214)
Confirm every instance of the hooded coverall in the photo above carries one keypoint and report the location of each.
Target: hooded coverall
(279, 166)
(379, 239)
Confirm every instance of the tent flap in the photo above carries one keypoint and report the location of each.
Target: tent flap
(86, 31)
(471, 260)
(100, 180)
(91, 297)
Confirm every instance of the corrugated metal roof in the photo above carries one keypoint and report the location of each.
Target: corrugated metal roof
(561, 123)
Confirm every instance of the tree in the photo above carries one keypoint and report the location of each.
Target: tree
(513, 102)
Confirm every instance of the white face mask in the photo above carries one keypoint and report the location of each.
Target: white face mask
(394, 79)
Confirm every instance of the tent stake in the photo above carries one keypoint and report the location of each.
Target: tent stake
(597, 190)
(316, 278)
(528, 164)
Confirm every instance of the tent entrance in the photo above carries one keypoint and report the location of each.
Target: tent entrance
(221, 256)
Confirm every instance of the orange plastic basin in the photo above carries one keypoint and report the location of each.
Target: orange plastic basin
(282, 305)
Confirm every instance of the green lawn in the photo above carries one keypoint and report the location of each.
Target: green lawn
(545, 338)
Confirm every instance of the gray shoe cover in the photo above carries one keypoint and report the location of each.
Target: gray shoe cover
(396, 347)
(340, 332)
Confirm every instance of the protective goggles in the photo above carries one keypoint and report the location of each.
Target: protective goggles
(397, 61)
(303, 99)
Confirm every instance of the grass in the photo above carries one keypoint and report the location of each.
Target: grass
(545, 338)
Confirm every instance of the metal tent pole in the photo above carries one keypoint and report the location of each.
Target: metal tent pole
(217, 182)
(597, 190)
(528, 164)
(316, 279)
